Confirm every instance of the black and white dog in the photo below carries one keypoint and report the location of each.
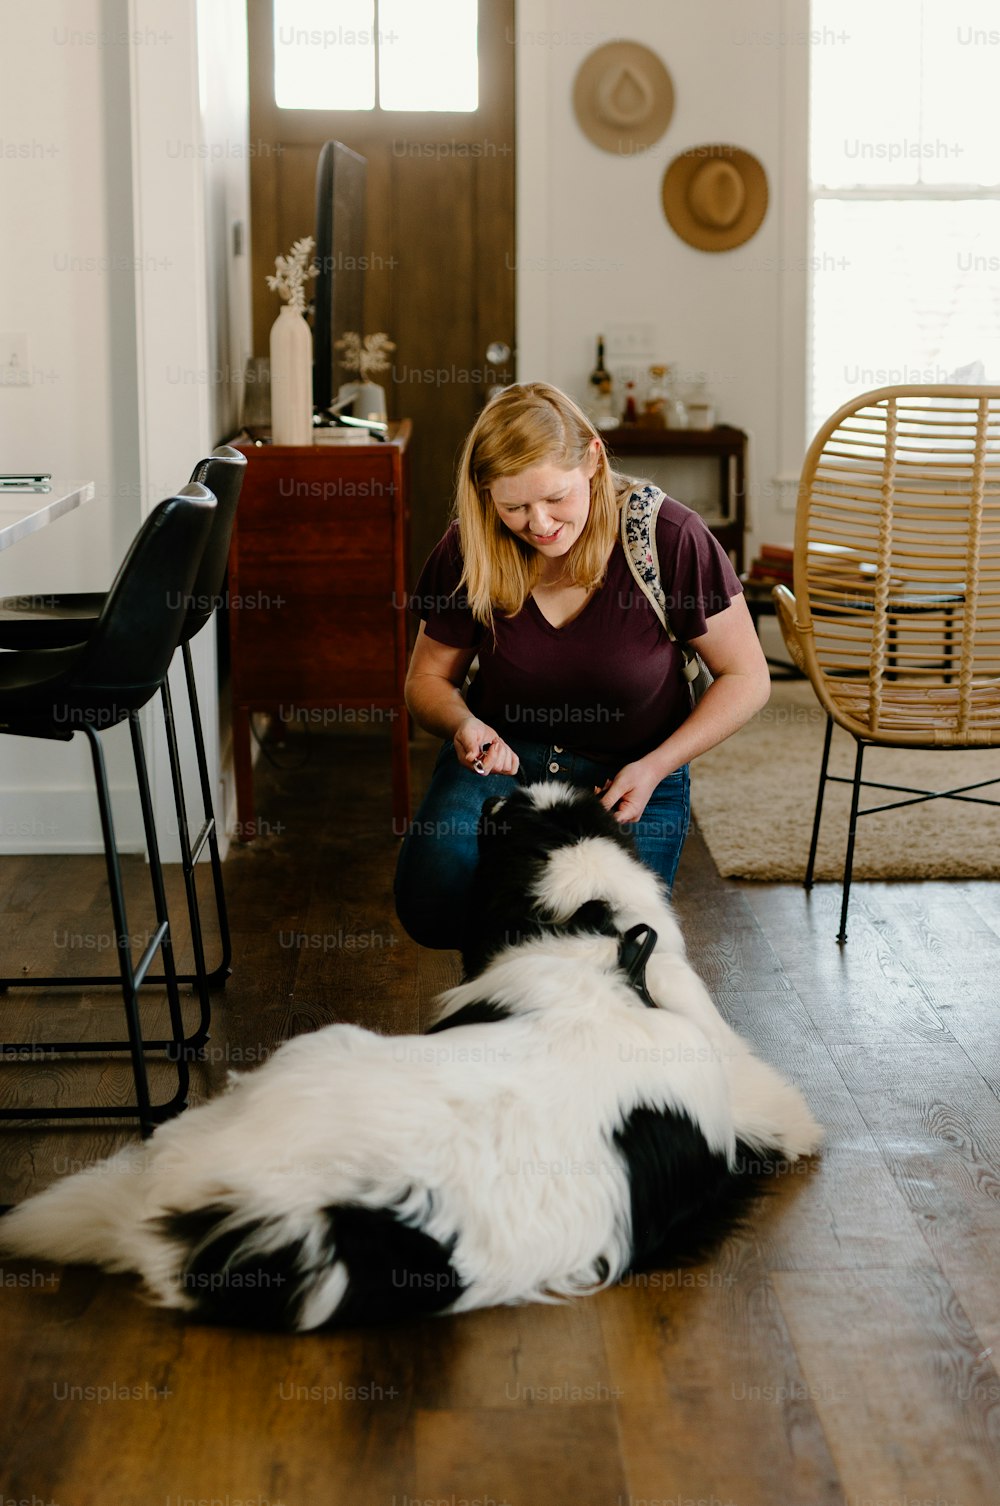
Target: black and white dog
(552, 1131)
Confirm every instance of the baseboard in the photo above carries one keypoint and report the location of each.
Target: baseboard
(66, 820)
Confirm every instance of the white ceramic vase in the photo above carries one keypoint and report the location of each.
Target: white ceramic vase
(291, 379)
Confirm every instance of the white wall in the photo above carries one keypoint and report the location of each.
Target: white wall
(594, 248)
(190, 185)
(66, 280)
(124, 165)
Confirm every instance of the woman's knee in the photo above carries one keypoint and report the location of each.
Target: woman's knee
(439, 854)
(429, 927)
(430, 888)
(663, 828)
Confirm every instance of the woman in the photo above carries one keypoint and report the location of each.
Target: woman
(577, 679)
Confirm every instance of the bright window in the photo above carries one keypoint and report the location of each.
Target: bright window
(905, 184)
(367, 54)
(324, 55)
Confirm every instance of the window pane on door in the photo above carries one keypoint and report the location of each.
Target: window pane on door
(903, 291)
(428, 55)
(324, 54)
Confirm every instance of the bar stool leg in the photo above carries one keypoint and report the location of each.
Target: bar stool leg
(197, 1040)
(178, 1053)
(218, 975)
(129, 987)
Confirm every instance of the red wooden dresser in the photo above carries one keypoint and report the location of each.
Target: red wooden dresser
(317, 596)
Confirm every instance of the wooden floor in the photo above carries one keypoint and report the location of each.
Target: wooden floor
(843, 1349)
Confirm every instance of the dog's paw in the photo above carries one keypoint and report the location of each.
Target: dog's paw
(770, 1113)
(805, 1137)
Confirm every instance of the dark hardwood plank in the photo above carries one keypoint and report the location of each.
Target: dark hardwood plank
(921, 1423)
(937, 1126)
(714, 1405)
(512, 1358)
(554, 1453)
(955, 950)
(868, 990)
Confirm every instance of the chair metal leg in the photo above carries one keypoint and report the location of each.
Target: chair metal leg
(851, 832)
(209, 831)
(122, 943)
(130, 977)
(200, 1036)
(201, 978)
(178, 1054)
(810, 866)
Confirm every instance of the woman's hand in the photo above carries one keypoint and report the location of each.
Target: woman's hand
(478, 747)
(627, 795)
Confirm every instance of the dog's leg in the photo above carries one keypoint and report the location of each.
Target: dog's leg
(768, 1112)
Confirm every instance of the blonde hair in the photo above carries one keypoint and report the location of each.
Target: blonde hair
(528, 424)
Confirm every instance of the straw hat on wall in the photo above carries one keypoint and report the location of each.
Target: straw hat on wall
(623, 97)
(715, 197)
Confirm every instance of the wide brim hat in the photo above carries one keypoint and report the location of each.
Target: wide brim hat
(715, 197)
(623, 97)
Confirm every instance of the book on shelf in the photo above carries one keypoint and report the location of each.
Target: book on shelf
(772, 564)
(775, 561)
(836, 564)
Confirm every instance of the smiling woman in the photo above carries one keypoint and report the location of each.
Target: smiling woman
(577, 678)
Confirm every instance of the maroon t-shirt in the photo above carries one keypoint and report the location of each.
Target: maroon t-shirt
(610, 681)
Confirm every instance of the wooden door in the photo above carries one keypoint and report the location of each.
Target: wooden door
(440, 242)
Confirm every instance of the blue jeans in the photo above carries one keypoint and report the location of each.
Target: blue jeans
(439, 852)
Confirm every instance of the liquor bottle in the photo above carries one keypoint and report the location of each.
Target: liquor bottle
(630, 412)
(600, 372)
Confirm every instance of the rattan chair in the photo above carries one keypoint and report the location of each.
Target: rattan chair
(895, 615)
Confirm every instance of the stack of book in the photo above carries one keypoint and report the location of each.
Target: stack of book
(830, 566)
(772, 566)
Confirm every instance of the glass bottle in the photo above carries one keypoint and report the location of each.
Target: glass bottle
(701, 410)
(654, 414)
(676, 410)
(630, 413)
(600, 372)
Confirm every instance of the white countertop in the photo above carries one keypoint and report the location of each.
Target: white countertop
(25, 511)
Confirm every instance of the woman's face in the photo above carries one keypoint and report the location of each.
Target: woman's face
(546, 505)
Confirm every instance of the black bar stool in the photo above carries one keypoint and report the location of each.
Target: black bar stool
(35, 622)
(56, 692)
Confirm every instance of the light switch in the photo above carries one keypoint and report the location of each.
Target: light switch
(629, 342)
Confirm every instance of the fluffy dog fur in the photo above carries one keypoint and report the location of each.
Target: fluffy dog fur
(548, 1135)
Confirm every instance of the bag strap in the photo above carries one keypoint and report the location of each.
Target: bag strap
(638, 533)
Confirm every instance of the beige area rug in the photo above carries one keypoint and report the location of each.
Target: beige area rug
(753, 799)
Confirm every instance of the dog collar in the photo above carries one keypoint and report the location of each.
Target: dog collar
(634, 950)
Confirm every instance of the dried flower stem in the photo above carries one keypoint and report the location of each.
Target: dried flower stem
(291, 273)
(367, 357)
